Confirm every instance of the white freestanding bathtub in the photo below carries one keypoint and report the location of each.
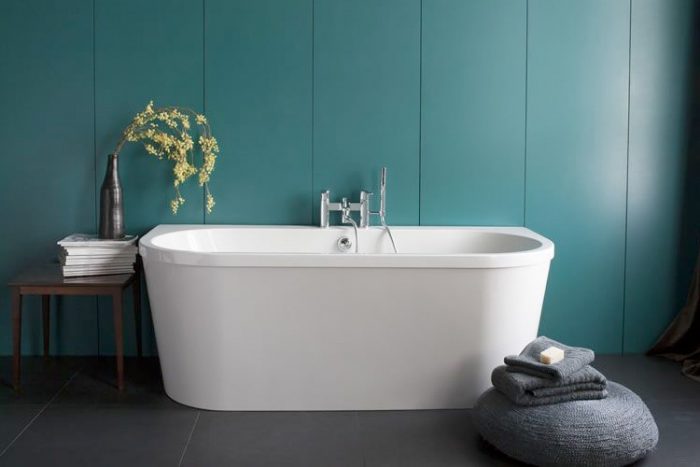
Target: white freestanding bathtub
(277, 318)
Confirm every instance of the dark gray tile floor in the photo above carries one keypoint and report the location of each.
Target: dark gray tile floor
(70, 414)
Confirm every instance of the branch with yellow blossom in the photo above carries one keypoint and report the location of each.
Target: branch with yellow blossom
(165, 133)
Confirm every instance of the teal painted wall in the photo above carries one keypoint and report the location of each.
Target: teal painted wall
(473, 112)
(567, 116)
(258, 95)
(47, 166)
(576, 162)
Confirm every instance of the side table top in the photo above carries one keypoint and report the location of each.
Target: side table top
(49, 274)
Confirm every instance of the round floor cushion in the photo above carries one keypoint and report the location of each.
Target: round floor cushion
(614, 431)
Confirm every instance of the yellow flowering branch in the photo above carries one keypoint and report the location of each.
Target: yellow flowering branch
(165, 132)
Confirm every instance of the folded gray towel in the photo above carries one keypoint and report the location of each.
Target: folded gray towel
(525, 389)
(528, 361)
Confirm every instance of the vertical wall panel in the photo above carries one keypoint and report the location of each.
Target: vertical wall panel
(143, 51)
(659, 96)
(366, 101)
(258, 98)
(47, 165)
(576, 162)
(473, 112)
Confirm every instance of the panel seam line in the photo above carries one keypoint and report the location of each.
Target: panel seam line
(627, 180)
(527, 51)
(313, 105)
(204, 93)
(420, 114)
(94, 147)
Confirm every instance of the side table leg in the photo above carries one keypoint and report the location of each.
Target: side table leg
(117, 308)
(16, 336)
(136, 290)
(45, 311)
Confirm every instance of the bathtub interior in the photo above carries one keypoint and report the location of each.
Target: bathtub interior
(309, 240)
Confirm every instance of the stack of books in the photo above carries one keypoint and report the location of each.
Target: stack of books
(87, 255)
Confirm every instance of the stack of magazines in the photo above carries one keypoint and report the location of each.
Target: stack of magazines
(87, 255)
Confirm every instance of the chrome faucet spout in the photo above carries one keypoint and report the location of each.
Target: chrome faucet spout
(346, 218)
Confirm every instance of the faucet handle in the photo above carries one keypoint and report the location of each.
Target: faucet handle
(324, 209)
(365, 200)
(365, 210)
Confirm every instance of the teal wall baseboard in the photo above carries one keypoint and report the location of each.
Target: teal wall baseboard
(570, 117)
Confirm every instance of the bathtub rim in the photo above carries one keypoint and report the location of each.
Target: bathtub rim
(151, 252)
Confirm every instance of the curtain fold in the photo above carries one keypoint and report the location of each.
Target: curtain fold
(681, 340)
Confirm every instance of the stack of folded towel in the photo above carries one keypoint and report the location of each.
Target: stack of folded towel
(525, 380)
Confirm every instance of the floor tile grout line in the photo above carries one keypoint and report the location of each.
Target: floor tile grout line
(189, 438)
(46, 406)
(358, 426)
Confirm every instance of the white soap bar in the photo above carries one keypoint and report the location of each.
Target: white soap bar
(551, 355)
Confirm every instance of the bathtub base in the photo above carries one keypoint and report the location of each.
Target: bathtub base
(338, 338)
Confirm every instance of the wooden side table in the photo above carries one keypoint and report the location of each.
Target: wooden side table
(48, 280)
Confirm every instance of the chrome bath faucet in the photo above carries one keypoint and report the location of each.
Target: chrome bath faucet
(346, 208)
(362, 206)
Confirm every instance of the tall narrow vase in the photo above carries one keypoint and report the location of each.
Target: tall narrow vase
(111, 206)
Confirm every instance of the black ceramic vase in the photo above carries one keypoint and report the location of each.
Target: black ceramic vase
(111, 206)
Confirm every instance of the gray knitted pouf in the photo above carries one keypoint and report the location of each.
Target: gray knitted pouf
(614, 431)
